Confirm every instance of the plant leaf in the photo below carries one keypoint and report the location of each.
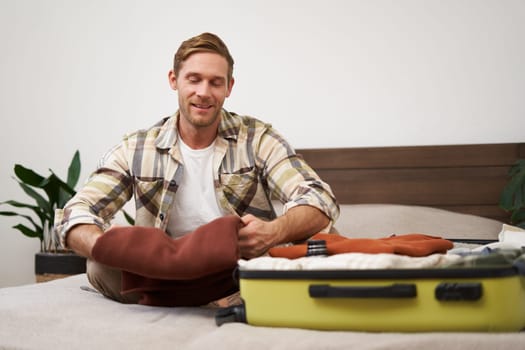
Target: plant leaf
(518, 216)
(12, 213)
(50, 185)
(37, 210)
(61, 183)
(34, 185)
(517, 167)
(27, 175)
(38, 230)
(19, 204)
(519, 198)
(41, 201)
(63, 191)
(8, 213)
(73, 172)
(511, 197)
(128, 218)
(506, 200)
(28, 232)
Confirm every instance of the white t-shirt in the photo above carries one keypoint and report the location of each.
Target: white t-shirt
(195, 200)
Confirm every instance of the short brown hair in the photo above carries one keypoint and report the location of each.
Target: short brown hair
(205, 42)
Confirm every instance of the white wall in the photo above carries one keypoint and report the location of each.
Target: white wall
(78, 74)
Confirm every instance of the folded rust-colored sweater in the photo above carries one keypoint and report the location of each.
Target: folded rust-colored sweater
(410, 244)
(192, 270)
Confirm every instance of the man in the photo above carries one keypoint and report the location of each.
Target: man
(197, 165)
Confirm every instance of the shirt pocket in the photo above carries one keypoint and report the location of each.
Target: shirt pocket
(148, 194)
(240, 183)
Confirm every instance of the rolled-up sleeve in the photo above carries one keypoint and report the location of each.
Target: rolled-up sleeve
(104, 193)
(293, 181)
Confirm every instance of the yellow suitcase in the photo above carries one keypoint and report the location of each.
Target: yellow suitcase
(402, 300)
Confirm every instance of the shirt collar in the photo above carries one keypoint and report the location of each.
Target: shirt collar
(228, 129)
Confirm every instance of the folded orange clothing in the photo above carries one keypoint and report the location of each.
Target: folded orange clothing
(414, 244)
(192, 270)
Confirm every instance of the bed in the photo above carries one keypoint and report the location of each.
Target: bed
(451, 191)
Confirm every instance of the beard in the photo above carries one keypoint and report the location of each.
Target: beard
(196, 119)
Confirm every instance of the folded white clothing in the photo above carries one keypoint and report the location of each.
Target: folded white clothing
(512, 235)
(348, 261)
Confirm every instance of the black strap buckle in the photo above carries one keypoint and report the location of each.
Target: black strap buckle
(316, 247)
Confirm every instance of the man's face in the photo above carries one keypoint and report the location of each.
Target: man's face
(202, 85)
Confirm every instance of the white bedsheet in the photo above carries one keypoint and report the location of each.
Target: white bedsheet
(59, 315)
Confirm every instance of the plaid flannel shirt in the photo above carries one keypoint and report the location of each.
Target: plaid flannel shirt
(254, 165)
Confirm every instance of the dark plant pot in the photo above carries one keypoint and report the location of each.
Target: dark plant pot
(50, 266)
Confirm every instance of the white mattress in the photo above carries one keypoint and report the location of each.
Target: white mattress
(59, 315)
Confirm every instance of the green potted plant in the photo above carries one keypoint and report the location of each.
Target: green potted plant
(513, 195)
(48, 193)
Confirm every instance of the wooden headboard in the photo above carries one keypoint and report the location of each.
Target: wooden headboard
(461, 178)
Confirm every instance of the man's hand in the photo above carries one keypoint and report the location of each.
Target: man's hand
(299, 223)
(257, 236)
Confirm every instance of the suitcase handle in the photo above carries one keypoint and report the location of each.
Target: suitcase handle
(396, 290)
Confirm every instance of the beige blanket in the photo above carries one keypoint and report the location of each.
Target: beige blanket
(59, 315)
